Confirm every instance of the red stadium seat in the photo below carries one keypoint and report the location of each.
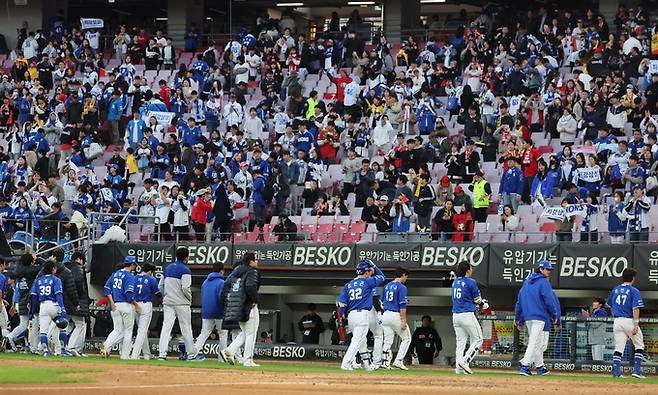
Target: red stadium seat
(358, 227)
(548, 227)
(545, 149)
(351, 237)
(341, 228)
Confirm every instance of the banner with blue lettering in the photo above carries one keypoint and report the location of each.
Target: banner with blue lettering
(164, 118)
(91, 23)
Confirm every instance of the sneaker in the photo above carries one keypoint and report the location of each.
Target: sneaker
(400, 365)
(348, 367)
(542, 371)
(525, 371)
(198, 358)
(182, 357)
(65, 353)
(104, 353)
(162, 358)
(148, 357)
(75, 353)
(372, 367)
(227, 356)
(3, 344)
(464, 366)
(459, 371)
(638, 376)
(617, 377)
(251, 364)
(356, 365)
(46, 354)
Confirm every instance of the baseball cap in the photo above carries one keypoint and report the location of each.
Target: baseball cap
(445, 181)
(364, 266)
(198, 146)
(130, 259)
(459, 189)
(544, 264)
(384, 198)
(244, 164)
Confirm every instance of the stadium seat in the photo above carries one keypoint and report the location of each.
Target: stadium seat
(341, 227)
(351, 237)
(548, 227)
(357, 227)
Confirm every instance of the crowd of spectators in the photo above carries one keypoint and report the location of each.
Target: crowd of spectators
(428, 136)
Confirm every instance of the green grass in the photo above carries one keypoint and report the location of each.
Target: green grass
(54, 375)
(27, 375)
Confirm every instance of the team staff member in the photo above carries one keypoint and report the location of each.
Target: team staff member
(176, 289)
(78, 317)
(394, 320)
(536, 308)
(240, 299)
(625, 301)
(25, 272)
(212, 311)
(465, 299)
(426, 342)
(355, 302)
(596, 330)
(311, 325)
(4, 318)
(47, 295)
(146, 290)
(120, 290)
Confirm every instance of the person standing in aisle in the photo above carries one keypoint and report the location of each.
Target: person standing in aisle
(240, 301)
(176, 289)
(79, 317)
(146, 289)
(212, 311)
(596, 330)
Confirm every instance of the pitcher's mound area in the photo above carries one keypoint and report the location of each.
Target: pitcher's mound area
(91, 375)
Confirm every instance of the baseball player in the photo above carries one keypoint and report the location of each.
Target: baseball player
(465, 299)
(625, 301)
(375, 326)
(120, 290)
(25, 273)
(212, 311)
(47, 294)
(536, 308)
(355, 301)
(146, 289)
(394, 320)
(176, 288)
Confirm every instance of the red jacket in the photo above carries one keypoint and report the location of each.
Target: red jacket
(165, 95)
(340, 87)
(200, 211)
(529, 162)
(464, 227)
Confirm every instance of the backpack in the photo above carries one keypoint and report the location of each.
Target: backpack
(453, 103)
(209, 57)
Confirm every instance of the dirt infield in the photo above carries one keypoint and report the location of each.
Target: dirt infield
(117, 378)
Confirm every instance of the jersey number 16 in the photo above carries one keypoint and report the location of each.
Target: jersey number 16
(457, 293)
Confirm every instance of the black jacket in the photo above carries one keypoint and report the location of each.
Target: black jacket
(25, 276)
(80, 278)
(69, 289)
(240, 292)
(222, 208)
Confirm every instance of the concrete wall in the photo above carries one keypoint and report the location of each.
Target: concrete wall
(180, 15)
(13, 16)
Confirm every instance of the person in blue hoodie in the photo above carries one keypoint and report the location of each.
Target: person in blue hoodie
(191, 134)
(134, 131)
(258, 197)
(212, 310)
(537, 308)
(512, 184)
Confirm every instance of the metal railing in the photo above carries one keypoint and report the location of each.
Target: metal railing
(137, 227)
(37, 234)
(570, 343)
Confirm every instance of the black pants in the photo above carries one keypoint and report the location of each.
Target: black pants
(183, 232)
(225, 229)
(165, 231)
(591, 237)
(526, 189)
(200, 230)
(480, 214)
(641, 236)
(564, 237)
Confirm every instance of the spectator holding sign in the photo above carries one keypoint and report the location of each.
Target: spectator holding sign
(589, 226)
(564, 226)
(637, 210)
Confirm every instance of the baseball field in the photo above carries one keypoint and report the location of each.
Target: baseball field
(27, 374)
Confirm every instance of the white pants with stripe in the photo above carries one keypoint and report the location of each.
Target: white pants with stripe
(143, 322)
(184, 315)
(392, 325)
(537, 344)
(247, 336)
(467, 328)
(207, 325)
(358, 322)
(78, 334)
(375, 326)
(623, 331)
(123, 321)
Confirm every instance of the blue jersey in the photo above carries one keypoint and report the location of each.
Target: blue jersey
(121, 285)
(3, 286)
(623, 299)
(357, 294)
(46, 288)
(465, 292)
(394, 296)
(146, 287)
